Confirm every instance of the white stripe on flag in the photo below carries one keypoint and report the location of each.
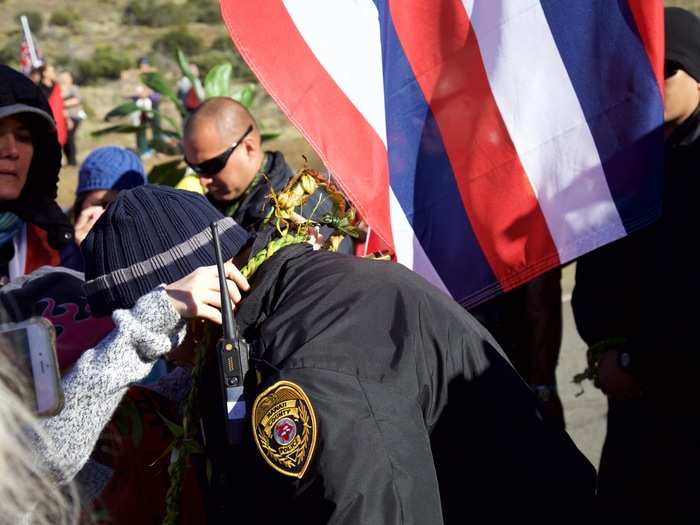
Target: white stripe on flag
(409, 251)
(546, 123)
(345, 38)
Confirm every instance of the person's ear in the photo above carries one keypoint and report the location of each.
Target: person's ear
(251, 146)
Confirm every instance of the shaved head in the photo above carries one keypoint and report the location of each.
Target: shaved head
(229, 117)
(212, 130)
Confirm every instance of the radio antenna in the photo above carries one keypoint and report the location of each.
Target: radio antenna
(233, 355)
(226, 308)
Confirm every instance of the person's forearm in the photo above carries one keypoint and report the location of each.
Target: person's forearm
(100, 378)
(71, 102)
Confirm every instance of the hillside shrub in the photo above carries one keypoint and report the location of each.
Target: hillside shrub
(206, 11)
(222, 43)
(179, 38)
(36, 21)
(105, 63)
(65, 17)
(9, 52)
(151, 13)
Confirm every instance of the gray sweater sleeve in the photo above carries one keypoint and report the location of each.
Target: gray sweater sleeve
(99, 379)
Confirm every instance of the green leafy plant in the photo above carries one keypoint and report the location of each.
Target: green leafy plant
(217, 83)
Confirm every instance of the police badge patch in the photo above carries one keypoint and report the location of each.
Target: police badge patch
(284, 427)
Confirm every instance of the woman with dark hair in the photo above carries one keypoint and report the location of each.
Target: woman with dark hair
(34, 231)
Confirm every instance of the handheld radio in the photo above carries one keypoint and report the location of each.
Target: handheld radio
(233, 354)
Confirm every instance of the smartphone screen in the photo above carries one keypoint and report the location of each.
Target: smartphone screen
(30, 345)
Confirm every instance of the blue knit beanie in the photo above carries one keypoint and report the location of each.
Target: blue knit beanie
(148, 236)
(110, 168)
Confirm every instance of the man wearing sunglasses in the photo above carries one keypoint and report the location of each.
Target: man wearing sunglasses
(223, 147)
(636, 291)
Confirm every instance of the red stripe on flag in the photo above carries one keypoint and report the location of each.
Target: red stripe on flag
(649, 17)
(270, 43)
(496, 193)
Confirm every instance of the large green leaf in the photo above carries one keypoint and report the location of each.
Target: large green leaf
(247, 96)
(119, 128)
(187, 71)
(269, 135)
(175, 135)
(171, 133)
(164, 146)
(167, 174)
(174, 428)
(156, 82)
(122, 110)
(218, 81)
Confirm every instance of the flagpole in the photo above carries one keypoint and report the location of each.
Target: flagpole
(30, 41)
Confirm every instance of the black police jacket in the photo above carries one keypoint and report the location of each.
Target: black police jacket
(419, 418)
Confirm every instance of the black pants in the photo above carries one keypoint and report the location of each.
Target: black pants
(650, 466)
(69, 148)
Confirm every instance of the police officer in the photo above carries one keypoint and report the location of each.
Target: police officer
(380, 399)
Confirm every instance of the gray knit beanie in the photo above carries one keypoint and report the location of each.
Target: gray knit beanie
(151, 235)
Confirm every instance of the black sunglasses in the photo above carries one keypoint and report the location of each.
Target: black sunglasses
(216, 164)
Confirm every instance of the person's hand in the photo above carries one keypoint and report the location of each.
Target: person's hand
(616, 382)
(87, 218)
(198, 295)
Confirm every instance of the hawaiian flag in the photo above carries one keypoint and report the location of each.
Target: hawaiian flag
(484, 141)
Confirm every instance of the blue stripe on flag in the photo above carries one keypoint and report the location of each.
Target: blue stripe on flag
(615, 84)
(421, 175)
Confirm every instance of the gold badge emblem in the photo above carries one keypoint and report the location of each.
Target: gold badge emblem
(284, 427)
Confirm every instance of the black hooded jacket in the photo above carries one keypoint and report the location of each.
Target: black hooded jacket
(420, 418)
(37, 202)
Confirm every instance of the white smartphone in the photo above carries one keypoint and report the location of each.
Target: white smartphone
(32, 345)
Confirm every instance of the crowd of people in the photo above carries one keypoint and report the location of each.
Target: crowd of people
(372, 397)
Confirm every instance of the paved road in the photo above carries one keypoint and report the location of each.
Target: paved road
(585, 414)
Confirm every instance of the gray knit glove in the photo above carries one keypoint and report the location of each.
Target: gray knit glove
(155, 327)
